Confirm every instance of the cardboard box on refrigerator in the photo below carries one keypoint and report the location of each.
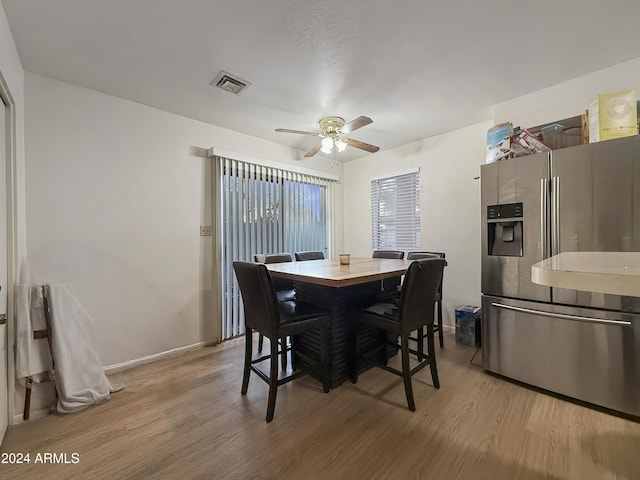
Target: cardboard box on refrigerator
(499, 142)
(613, 115)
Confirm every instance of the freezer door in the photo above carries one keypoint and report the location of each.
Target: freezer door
(587, 354)
(595, 199)
(507, 182)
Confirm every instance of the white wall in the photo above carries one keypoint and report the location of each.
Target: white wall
(570, 98)
(449, 203)
(13, 81)
(115, 198)
(13, 74)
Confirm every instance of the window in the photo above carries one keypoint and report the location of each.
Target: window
(266, 210)
(395, 212)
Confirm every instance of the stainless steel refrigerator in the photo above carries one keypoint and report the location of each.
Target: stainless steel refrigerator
(584, 345)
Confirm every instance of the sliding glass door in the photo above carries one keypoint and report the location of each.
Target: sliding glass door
(266, 210)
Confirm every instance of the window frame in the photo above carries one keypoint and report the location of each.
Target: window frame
(390, 229)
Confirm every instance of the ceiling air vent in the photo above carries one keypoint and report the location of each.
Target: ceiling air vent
(230, 83)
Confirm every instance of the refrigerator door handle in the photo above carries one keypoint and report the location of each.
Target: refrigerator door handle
(555, 215)
(620, 323)
(543, 218)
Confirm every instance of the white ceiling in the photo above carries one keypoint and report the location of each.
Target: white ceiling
(416, 67)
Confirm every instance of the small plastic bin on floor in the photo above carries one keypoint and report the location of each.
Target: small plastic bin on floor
(468, 325)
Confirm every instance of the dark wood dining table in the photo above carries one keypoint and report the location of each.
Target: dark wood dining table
(341, 290)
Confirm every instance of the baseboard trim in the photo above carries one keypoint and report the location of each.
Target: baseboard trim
(119, 367)
(111, 369)
(33, 415)
(448, 328)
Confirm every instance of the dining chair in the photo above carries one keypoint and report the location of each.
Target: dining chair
(388, 254)
(302, 256)
(389, 286)
(415, 310)
(285, 289)
(277, 320)
(284, 286)
(437, 327)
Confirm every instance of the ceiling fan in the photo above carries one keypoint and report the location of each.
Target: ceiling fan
(332, 131)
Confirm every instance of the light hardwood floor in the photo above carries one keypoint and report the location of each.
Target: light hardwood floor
(183, 418)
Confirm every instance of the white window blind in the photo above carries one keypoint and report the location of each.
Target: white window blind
(266, 210)
(395, 212)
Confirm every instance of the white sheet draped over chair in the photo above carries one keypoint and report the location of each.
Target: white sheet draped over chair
(79, 377)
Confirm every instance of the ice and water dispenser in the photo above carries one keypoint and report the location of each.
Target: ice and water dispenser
(504, 230)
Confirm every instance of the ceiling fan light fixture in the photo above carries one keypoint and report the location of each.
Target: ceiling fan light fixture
(331, 132)
(327, 145)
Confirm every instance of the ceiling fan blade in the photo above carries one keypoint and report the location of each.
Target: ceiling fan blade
(286, 130)
(361, 145)
(314, 150)
(355, 124)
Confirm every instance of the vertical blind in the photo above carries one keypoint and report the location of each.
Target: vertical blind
(266, 210)
(395, 212)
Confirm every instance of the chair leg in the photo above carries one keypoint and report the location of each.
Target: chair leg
(383, 358)
(273, 380)
(406, 371)
(440, 332)
(27, 398)
(284, 345)
(248, 351)
(432, 353)
(420, 337)
(294, 365)
(260, 342)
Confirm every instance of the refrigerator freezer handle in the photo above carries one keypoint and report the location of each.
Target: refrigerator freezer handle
(578, 318)
(555, 215)
(543, 218)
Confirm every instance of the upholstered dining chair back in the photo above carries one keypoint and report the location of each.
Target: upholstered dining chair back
(437, 326)
(281, 284)
(261, 311)
(421, 255)
(272, 257)
(418, 293)
(389, 285)
(388, 254)
(302, 256)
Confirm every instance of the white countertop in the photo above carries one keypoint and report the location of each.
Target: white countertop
(617, 273)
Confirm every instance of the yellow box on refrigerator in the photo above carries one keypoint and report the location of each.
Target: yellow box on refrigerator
(613, 115)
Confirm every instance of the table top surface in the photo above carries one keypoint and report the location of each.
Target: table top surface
(617, 273)
(329, 272)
